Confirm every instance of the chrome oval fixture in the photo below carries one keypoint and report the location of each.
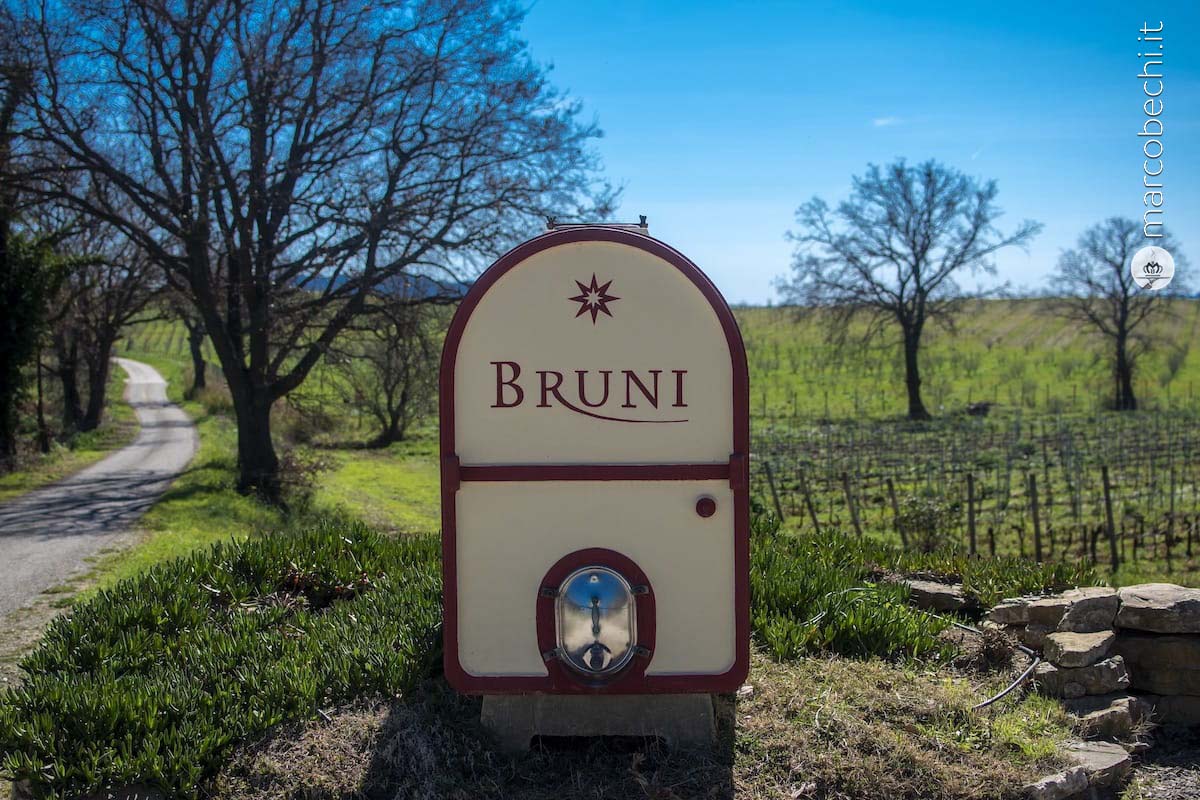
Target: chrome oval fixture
(596, 621)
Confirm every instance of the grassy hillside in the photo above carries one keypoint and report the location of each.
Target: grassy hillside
(1013, 352)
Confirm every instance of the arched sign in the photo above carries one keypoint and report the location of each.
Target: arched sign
(595, 464)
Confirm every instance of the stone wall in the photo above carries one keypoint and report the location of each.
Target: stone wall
(1114, 655)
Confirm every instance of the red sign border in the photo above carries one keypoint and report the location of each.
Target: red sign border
(737, 470)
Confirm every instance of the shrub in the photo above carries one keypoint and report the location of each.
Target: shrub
(299, 469)
(152, 681)
(216, 400)
(809, 595)
(926, 521)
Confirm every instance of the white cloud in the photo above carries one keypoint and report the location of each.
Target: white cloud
(885, 122)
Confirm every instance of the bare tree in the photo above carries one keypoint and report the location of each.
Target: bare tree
(893, 254)
(1093, 286)
(182, 309)
(285, 157)
(109, 287)
(389, 365)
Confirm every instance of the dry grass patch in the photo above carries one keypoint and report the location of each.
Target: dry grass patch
(817, 728)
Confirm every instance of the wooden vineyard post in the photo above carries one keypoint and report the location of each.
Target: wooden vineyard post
(891, 487)
(1170, 521)
(774, 493)
(1037, 526)
(850, 504)
(971, 544)
(992, 540)
(1108, 519)
(808, 503)
(1048, 511)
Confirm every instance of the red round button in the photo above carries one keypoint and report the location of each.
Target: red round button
(706, 507)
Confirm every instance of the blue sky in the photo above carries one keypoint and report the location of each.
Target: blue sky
(721, 118)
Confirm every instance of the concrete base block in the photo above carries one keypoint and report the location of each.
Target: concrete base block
(684, 720)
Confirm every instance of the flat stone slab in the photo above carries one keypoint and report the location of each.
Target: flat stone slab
(1112, 716)
(1105, 763)
(1166, 665)
(1066, 649)
(1048, 611)
(1013, 611)
(1069, 783)
(1098, 765)
(1159, 608)
(936, 596)
(685, 720)
(1103, 677)
(1092, 609)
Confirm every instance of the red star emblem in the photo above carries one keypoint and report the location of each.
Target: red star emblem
(593, 298)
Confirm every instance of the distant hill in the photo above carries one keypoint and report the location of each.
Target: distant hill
(415, 286)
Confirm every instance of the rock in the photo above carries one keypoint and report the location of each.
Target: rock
(1109, 716)
(1034, 635)
(1078, 649)
(1014, 611)
(1103, 677)
(1104, 762)
(1159, 608)
(1059, 786)
(1092, 608)
(1166, 665)
(936, 596)
(1174, 709)
(745, 692)
(1048, 611)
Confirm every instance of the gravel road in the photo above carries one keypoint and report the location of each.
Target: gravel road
(46, 535)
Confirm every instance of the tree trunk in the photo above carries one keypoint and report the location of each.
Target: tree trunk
(393, 430)
(258, 466)
(912, 374)
(68, 375)
(99, 368)
(195, 344)
(1125, 400)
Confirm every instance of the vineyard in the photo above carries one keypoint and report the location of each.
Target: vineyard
(1013, 484)
(1040, 469)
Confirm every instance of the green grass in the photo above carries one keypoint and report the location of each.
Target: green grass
(154, 678)
(117, 430)
(397, 488)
